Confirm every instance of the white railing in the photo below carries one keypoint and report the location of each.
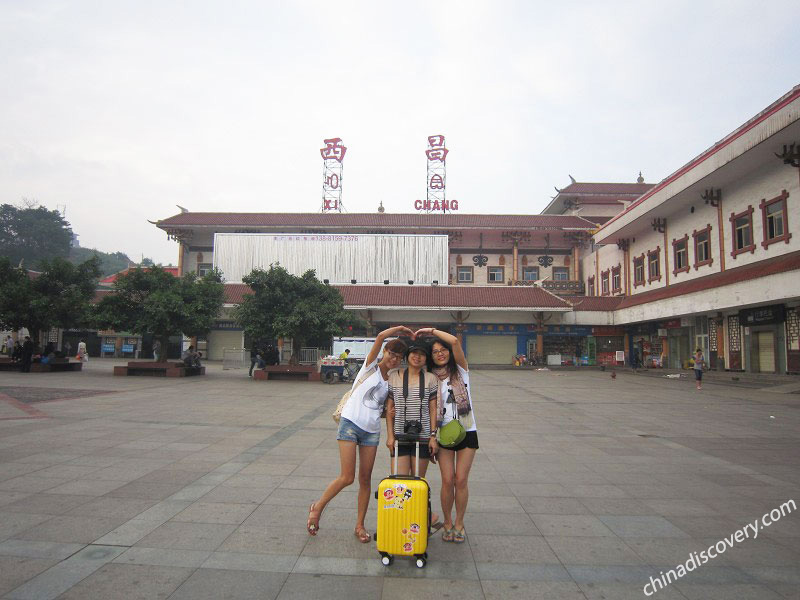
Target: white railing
(235, 358)
(310, 356)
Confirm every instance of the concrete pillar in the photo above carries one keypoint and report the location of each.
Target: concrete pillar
(515, 261)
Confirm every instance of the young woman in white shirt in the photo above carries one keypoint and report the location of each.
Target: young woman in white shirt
(360, 429)
(449, 364)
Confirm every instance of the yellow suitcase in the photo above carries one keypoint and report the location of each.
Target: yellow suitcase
(404, 517)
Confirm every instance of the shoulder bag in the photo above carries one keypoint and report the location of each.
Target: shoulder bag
(453, 433)
(337, 414)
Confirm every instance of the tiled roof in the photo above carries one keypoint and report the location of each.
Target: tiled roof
(762, 268)
(113, 277)
(594, 303)
(427, 297)
(373, 220)
(613, 189)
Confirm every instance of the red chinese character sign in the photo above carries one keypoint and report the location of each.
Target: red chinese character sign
(332, 157)
(437, 178)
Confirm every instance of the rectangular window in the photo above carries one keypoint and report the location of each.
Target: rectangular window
(616, 280)
(604, 283)
(638, 271)
(702, 247)
(590, 286)
(654, 265)
(560, 273)
(496, 274)
(680, 252)
(530, 273)
(203, 268)
(464, 274)
(742, 231)
(775, 218)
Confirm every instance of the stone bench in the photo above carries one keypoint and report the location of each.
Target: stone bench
(57, 365)
(294, 372)
(6, 364)
(158, 369)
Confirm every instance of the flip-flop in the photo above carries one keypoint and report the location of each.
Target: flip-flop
(459, 537)
(447, 534)
(362, 534)
(313, 523)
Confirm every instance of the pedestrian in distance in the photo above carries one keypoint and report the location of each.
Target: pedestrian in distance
(27, 354)
(360, 429)
(83, 355)
(699, 366)
(156, 350)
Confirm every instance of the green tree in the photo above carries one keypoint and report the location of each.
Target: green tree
(58, 296)
(110, 262)
(154, 301)
(33, 234)
(285, 305)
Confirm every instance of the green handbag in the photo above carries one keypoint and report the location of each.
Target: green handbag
(453, 433)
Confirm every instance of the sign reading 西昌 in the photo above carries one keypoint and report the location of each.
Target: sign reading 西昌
(332, 157)
(437, 178)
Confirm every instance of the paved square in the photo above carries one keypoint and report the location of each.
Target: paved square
(584, 487)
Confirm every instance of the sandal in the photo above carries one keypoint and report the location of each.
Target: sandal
(313, 522)
(459, 536)
(435, 525)
(363, 535)
(447, 534)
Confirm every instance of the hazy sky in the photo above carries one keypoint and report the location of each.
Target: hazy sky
(119, 110)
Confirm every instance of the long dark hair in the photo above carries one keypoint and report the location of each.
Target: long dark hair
(451, 361)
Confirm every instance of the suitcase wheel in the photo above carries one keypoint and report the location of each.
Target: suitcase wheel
(386, 559)
(421, 562)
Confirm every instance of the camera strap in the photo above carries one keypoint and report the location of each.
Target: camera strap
(421, 394)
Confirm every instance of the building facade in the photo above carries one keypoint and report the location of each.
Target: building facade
(707, 258)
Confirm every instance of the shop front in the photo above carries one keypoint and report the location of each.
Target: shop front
(608, 341)
(764, 339)
(492, 344)
(567, 345)
(645, 346)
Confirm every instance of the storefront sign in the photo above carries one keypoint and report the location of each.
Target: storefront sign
(671, 324)
(108, 348)
(608, 331)
(763, 315)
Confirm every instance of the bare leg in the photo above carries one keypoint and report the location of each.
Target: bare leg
(366, 460)
(347, 459)
(463, 465)
(447, 468)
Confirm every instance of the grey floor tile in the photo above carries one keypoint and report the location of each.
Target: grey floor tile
(598, 551)
(431, 589)
(571, 525)
(187, 536)
(213, 584)
(266, 541)
(165, 557)
(650, 527)
(215, 512)
(15, 570)
(243, 561)
(299, 586)
(35, 549)
(511, 549)
(531, 590)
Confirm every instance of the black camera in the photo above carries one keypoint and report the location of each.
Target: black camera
(412, 427)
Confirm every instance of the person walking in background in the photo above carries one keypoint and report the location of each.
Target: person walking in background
(699, 366)
(82, 355)
(27, 354)
(156, 350)
(67, 349)
(9, 345)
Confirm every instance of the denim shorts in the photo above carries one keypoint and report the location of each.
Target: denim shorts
(350, 432)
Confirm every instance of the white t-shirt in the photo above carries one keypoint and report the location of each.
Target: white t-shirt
(366, 402)
(449, 414)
